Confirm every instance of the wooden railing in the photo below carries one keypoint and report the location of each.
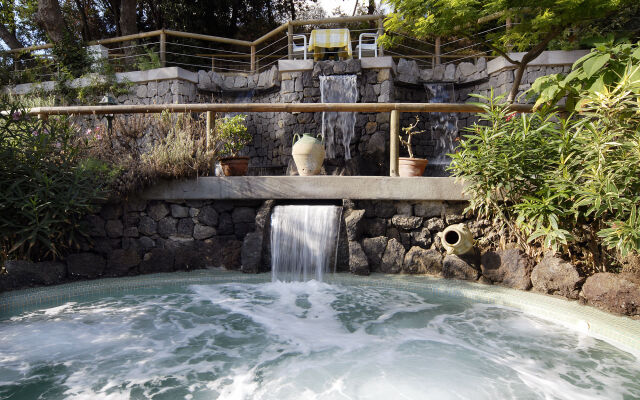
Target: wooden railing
(289, 26)
(211, 108)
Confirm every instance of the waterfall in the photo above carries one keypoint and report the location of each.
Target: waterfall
(304, 241)
(444, 126)
(338, 89)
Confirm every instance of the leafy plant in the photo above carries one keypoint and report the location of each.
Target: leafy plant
(409, 133)
(602, 69)
(149, 60)
(232, 135)
(46, 186)
(570, 183)
(480, 23)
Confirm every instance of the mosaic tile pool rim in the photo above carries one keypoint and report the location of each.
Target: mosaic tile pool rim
(623, 332)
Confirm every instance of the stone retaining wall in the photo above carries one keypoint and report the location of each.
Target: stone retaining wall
(270, 150)
(392, 237)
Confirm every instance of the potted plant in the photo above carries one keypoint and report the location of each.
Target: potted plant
(232, 135)
(410, 166)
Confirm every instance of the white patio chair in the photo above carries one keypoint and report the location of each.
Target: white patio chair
(367, 46)
(298, 49)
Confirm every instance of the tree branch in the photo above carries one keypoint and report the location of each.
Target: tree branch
(9, 38)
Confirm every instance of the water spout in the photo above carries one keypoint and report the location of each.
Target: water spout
(304, 241)
(338, 127)
(444, 126)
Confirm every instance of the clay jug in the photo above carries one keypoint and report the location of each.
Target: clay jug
(308, 154)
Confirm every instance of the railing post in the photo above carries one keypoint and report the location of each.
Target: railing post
(253, 59)
(437, 51)
(290, 41)
(213, 63)
(394, 142)
(380, 33)
(211, 119)
(163, 49)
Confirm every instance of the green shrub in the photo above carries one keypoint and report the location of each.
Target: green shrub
(603, 68)
(46, 186)
(231, 135)
(561, 183)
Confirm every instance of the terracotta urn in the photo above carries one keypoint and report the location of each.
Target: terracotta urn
(234, 166)
(308, 154)
(408, 167)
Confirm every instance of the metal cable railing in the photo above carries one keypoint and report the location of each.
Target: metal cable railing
(165, 47)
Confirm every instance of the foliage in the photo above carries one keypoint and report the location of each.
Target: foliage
(141, 149)
(561, 183)
(602, 69)
(409, 132)
(71, 56)
(480, 23)
(149, 60)
(46, 187)
(232, 135)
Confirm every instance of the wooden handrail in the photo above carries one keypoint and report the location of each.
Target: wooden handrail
(208, 38)
(118, 39)
(269, 107)
(274, 32)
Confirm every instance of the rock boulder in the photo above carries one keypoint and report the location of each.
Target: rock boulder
(421, 261)
(616, 293)
(511, 268)
(556, 276)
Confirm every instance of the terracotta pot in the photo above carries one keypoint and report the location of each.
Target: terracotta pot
(234, 166)
(308, 154)
(411, 166)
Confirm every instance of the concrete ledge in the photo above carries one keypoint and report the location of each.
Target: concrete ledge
(309, 188)
(158, 74)
(377, 63)
(294, 65)
(547, 58)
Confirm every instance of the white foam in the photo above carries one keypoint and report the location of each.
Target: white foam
(305, 340)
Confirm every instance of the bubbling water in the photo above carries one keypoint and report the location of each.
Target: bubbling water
(302, 340)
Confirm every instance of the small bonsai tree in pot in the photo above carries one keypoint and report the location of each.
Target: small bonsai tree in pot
(232, 136)
(410, 166)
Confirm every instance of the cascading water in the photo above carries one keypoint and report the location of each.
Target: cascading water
(303, 241)
(444, 126)
(338, 89)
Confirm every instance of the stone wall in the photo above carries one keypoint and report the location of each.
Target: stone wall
(141, 236)
(393, 237)
(270, 150)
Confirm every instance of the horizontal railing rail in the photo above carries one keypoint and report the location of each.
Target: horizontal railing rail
(250, 49)
(211, 108)
(269, 107)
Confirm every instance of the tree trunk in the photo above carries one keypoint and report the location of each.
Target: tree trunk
(50, 18)
(372, 7)
(9, 38)
(292, 9)
(128, 24)
(517, 78)
(86, 32)
(527, 58)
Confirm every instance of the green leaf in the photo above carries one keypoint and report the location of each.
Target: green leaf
(593, 64)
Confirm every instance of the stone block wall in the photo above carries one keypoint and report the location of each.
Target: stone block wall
(270, 150)
(393, 237)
